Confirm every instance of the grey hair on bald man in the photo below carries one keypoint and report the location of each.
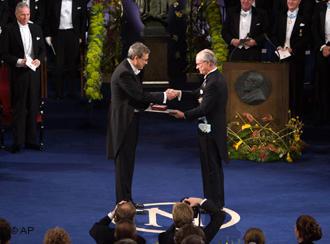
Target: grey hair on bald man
(21, 5)
(208, 56)
(137, 50)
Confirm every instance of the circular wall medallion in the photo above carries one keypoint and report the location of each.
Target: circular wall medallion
(253, 88)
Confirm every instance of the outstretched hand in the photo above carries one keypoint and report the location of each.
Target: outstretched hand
(171, 94)
(177, 114)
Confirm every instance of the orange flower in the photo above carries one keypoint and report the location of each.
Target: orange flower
(267, 118)
(249, 117)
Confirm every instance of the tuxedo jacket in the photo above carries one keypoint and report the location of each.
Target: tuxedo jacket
(127, 95)
(213, 106)
(102, 233)
(319, 25)
(259, 26)
(13, 45)
(217, 218)
(4, 13)
(300, 37)
(79, 17)
(306, 7)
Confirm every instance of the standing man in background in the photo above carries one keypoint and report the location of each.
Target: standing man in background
(37, 10)
(127, 98)
(65, 28)
(212, 126)
(23, 49)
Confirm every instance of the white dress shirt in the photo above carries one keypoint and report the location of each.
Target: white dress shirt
(244, 25)
(327, 24)
(27, 43)
(290, 20)
(66, 15)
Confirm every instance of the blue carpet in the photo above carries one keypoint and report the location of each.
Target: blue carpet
(71, 184)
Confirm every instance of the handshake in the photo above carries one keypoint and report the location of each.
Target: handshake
(172, 94)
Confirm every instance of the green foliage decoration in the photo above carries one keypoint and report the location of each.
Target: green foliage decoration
(96, 36)
(213, 17)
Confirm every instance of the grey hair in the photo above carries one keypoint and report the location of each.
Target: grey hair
(137, 50)
(21, 5)
(208, 56)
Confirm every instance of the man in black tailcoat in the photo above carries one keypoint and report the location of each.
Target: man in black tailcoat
(23, 43)
(212, 127)
(37, 10)
(127, 98)
(65, 28)
(243, 31)
(321, 34)
(292, 33)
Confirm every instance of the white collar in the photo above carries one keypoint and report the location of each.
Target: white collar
(293, 13)
(22, 26)
(135, 70)
(210, 72)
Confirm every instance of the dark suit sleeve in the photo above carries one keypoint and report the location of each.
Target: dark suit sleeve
(217, 218)
(4, 14)
(317, 24)
(209, 101)
(7, 55)
(100, 229)
(131, 87)
(228, 27)
(167, 237)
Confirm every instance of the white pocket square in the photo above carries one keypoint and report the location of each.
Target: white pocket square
(38, 38)
(302, 24)
(78, 7)
(257, 23)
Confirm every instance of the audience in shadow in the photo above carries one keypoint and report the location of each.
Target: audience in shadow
(57, 235)
(5, 231)
(254, 235)
(307, 230)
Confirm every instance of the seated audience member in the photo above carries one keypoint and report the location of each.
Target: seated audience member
(188, 230)
(103, 233)
(57, 235)
(307, 230)
(254, 235)
(193, 239)
(5, 231)
(126, 229)
(126, 241)
(243, 31)
(183, 214)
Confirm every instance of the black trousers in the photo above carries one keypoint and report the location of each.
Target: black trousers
(322, 87)
(66, 45)
(212, 172)
(296, 86)
(25, 101)
(124, 162)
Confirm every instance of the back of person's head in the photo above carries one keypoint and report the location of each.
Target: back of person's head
(5, 231)
(57, 235)
(126, 241)
(188, 230)
(255, 236)
(125, 210)
(125, 229)
(308, 229)
(193, 239)
(182, 214)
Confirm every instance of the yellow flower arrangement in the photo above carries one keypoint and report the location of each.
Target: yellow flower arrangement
(252, 139)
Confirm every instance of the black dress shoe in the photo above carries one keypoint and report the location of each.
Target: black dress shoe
(33, 147)
(15, 148)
